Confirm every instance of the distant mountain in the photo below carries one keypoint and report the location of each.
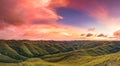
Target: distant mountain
(59, 53)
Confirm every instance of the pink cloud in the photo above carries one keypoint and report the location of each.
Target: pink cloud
(97, 10)
(30, 11)
(20, 12)
(117, 34)
(41, 10)
(8, 15)
(21, 17)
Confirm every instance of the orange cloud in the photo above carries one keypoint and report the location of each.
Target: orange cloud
(46, 31)
(51, 32)
(43, 31)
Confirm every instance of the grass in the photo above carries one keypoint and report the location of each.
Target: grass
(74, 60)
(59, 53)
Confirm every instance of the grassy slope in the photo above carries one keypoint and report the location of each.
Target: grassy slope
(51, 53)
(74, 60)
(103, 60)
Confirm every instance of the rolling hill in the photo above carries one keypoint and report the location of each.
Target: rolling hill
(59, 53)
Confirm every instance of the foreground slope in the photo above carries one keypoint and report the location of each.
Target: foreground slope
(74, 60)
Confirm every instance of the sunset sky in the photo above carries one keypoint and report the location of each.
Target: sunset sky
(60, 19)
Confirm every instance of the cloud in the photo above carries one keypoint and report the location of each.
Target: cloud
(89, 35)
(117, 34)
(37, 19)
(8, 15)
(91, 29)
(33, 19)
(82, 35)
(20, 12)
(101, 35)
(41, 11)
(52, 32)
(100, 10)
(43, 31)
(93, 35)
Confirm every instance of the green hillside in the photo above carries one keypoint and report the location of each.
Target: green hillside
(59, 53)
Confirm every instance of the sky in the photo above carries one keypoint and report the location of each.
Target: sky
(60, 19)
